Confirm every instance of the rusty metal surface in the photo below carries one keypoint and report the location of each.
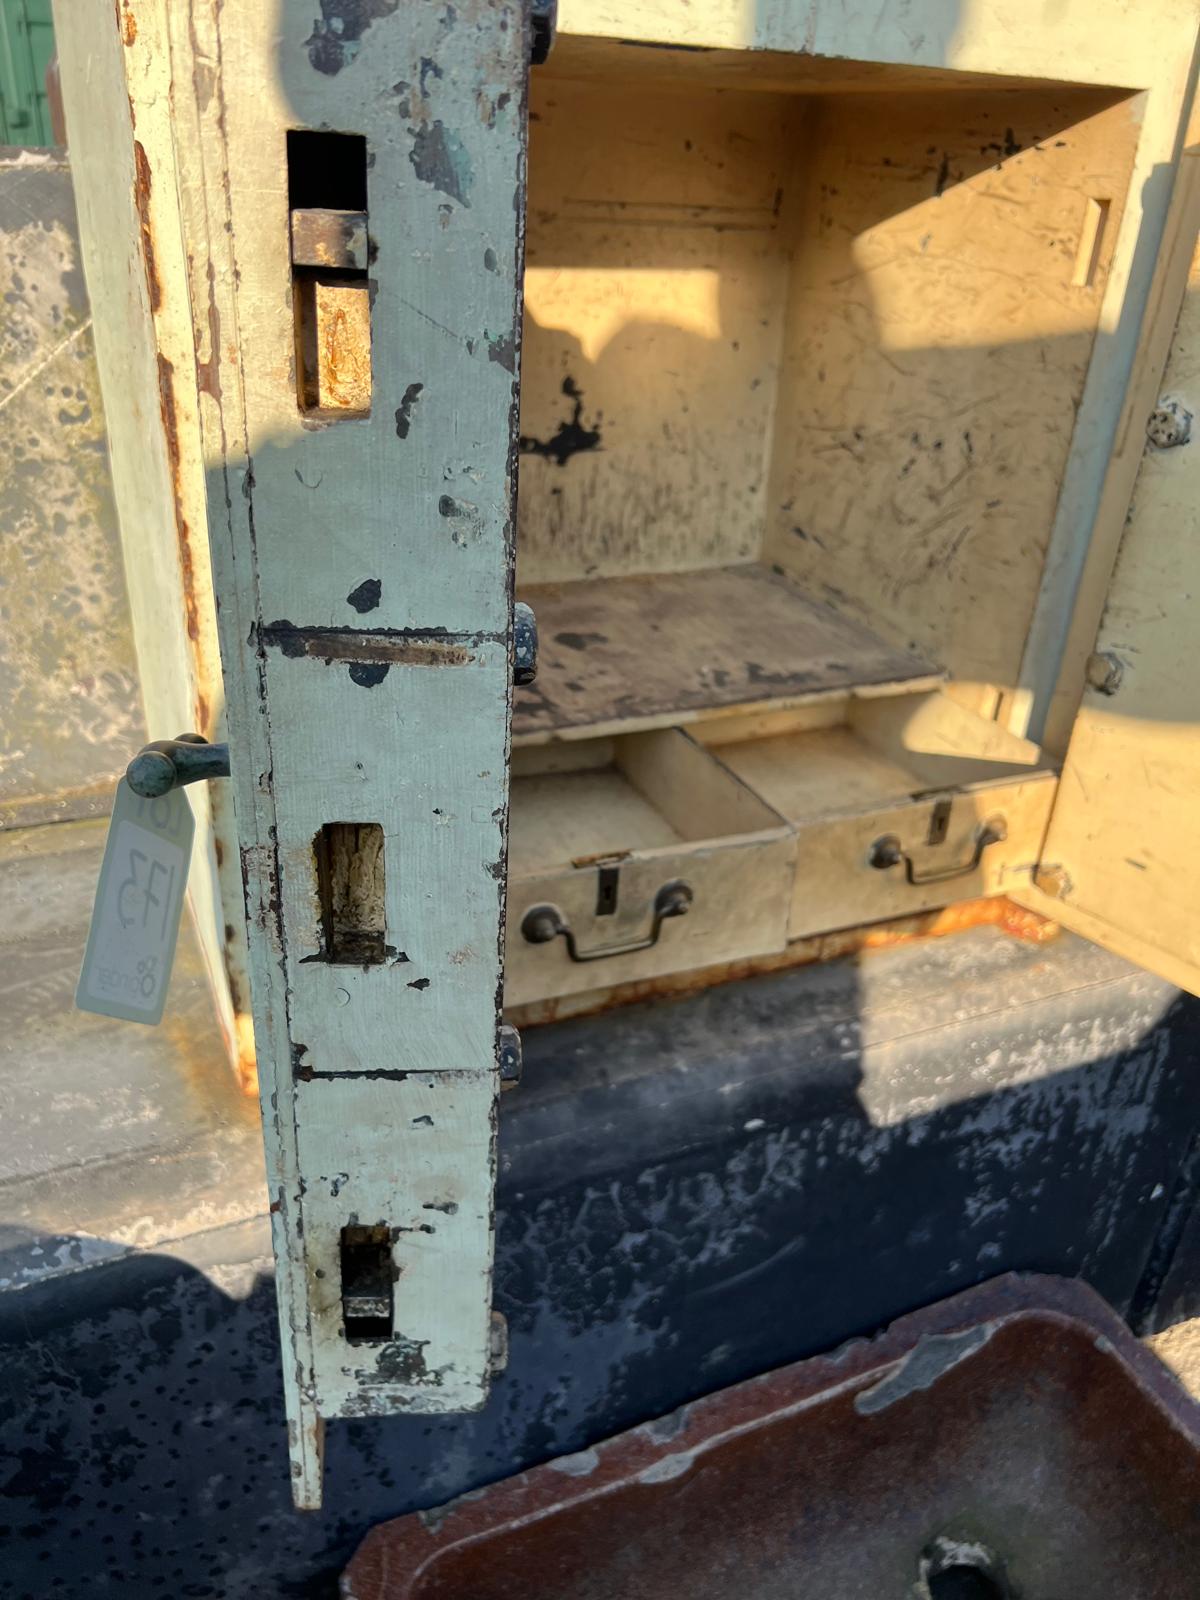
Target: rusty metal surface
(1016, 1436)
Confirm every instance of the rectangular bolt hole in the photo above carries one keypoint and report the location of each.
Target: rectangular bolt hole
(607, 889)
(331, 295)
(350, 885)
(327, 170)
(367, 1279)
(1091, 243)
(939, 823)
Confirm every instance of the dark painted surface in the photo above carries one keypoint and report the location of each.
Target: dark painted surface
(691, 1192)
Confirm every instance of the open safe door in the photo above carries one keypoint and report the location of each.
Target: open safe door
(1120, 863)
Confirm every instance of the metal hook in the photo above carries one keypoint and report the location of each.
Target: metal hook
(170, 763)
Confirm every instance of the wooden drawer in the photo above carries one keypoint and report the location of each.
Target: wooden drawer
(909, 806)
(609, 838)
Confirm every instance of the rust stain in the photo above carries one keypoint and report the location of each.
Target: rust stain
(129, 29)
(346, 360)
(332, 644)
(195, 1063)
(142, 186)
(187, 565)
(993, 911)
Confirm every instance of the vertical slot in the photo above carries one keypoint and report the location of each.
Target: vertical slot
(350, 886)
(367, 1283)
(608, 886)
(1091, 243)
(327, 199)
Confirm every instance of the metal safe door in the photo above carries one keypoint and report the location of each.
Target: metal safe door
(1119, 862)
(344, 198)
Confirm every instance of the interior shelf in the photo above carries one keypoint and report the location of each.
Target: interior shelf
(617, 654)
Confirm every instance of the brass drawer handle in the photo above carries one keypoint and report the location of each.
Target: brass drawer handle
(887, 851)
(541, 924)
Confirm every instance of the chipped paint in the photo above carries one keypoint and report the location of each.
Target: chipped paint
(440, 159)
(929, 1360)
(337, 34)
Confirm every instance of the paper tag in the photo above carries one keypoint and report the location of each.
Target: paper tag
(139, 901)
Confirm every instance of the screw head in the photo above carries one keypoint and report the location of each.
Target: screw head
(508, 1056)
(1169, 424)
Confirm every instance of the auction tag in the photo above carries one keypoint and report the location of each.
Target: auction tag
(139, 901)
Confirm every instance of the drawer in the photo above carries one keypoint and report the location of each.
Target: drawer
(876, 838)
(633, 857)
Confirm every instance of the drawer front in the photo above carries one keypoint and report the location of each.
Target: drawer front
(740, 893)
(852, 870)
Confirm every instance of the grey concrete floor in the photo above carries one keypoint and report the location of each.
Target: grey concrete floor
(116, 1136)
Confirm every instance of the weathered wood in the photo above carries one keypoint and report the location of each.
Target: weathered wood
(624, 653)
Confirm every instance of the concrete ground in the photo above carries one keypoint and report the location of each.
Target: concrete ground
(120, 1137)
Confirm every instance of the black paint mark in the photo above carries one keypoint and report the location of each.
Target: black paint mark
(1011, 147)
(403, 1361)
(440, 159)
(366, 596)
(404, 410)
(503, 351)
(337, 32)
(489, 259)
(366, 674)
(571, 438)
(422, 1122)
(419, 983)
(448, 506)
(429, 68)
(448, 1208)
(580, 641)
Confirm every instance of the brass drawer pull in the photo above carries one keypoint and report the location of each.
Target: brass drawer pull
(541, 924)
(887, 851)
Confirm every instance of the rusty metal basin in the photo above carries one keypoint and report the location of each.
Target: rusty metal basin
(1013, 1443)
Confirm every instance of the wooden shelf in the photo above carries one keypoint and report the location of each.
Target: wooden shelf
(617, 654)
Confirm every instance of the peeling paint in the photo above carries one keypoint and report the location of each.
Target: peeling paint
(440, 159)
(337, 33)
(930, 1360)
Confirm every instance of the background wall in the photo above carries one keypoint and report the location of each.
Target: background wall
(68, 680)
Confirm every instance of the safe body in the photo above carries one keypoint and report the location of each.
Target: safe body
(842, 343)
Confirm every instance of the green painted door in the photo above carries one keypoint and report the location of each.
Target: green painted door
(26, 46)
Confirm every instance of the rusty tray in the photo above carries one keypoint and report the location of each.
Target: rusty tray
(1015, 1442)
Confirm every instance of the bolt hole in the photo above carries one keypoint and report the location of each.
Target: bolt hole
(964, 1583)
(954, 1569)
